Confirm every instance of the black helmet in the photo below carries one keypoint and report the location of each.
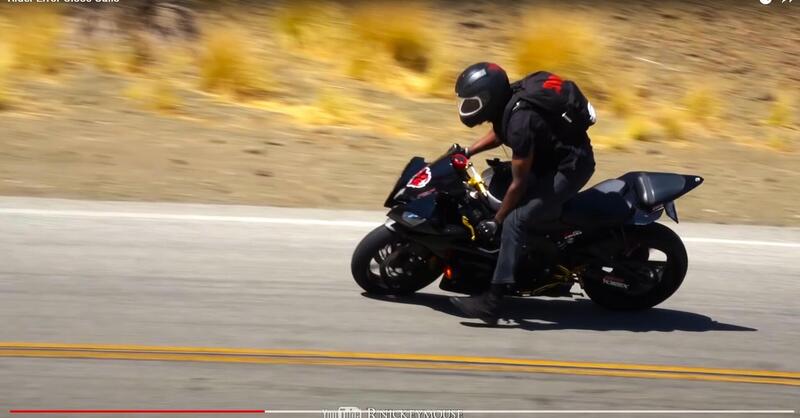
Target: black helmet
(483, 91)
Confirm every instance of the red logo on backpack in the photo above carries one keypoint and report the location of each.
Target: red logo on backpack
(553, 83)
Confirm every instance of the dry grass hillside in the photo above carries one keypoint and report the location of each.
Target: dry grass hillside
(312, 103)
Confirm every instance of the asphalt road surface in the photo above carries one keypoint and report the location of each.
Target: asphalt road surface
(142, 275)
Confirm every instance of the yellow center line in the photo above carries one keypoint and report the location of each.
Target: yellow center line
(392, 360)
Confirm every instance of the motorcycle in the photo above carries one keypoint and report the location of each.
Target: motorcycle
(606, 239)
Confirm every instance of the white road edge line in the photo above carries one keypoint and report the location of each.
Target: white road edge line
(184, 217)
(302, 222)
(741, 242)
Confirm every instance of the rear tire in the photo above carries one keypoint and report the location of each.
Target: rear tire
(377, 276)
(650, 237)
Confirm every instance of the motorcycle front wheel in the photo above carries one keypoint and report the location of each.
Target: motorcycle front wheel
(385, 264)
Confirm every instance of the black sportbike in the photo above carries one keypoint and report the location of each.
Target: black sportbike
(606, 239)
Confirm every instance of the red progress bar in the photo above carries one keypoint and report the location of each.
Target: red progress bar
(137, 411)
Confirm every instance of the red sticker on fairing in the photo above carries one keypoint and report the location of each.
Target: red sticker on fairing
(421, 179)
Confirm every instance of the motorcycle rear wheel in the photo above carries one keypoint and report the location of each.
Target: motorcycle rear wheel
(666, 276)
(385, 264)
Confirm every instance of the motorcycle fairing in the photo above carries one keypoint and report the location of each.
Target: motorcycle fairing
(440, 176)
(413, 167)
(419, 187)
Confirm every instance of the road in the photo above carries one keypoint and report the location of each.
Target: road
(175, 275)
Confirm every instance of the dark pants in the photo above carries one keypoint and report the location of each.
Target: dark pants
(542, 202)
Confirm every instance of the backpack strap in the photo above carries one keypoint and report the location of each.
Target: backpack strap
(515, 103)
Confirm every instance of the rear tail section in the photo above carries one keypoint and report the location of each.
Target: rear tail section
(655, 193)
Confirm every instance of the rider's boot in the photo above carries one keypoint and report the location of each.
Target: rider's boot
(485, 306)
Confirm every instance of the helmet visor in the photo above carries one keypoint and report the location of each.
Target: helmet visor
(469, 106)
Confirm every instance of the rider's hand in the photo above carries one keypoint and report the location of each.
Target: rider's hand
(458, 149)
(488, 230)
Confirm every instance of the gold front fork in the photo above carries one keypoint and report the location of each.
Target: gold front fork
(475, 179)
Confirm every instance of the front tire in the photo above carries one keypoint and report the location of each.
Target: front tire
(385, 264)
(657, 280)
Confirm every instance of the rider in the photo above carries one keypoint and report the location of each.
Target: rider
(547, 169)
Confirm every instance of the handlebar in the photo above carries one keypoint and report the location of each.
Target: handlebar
(463, 163)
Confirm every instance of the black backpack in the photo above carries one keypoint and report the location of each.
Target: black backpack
(560, 103)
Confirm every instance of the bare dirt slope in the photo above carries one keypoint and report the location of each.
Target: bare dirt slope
(75, 133)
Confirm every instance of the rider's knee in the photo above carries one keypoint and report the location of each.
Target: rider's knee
(513, 222)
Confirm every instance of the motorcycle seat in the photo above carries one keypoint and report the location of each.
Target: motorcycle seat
(653, 189)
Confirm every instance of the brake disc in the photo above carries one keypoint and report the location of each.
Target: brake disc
(393, 268)
(401, 264)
